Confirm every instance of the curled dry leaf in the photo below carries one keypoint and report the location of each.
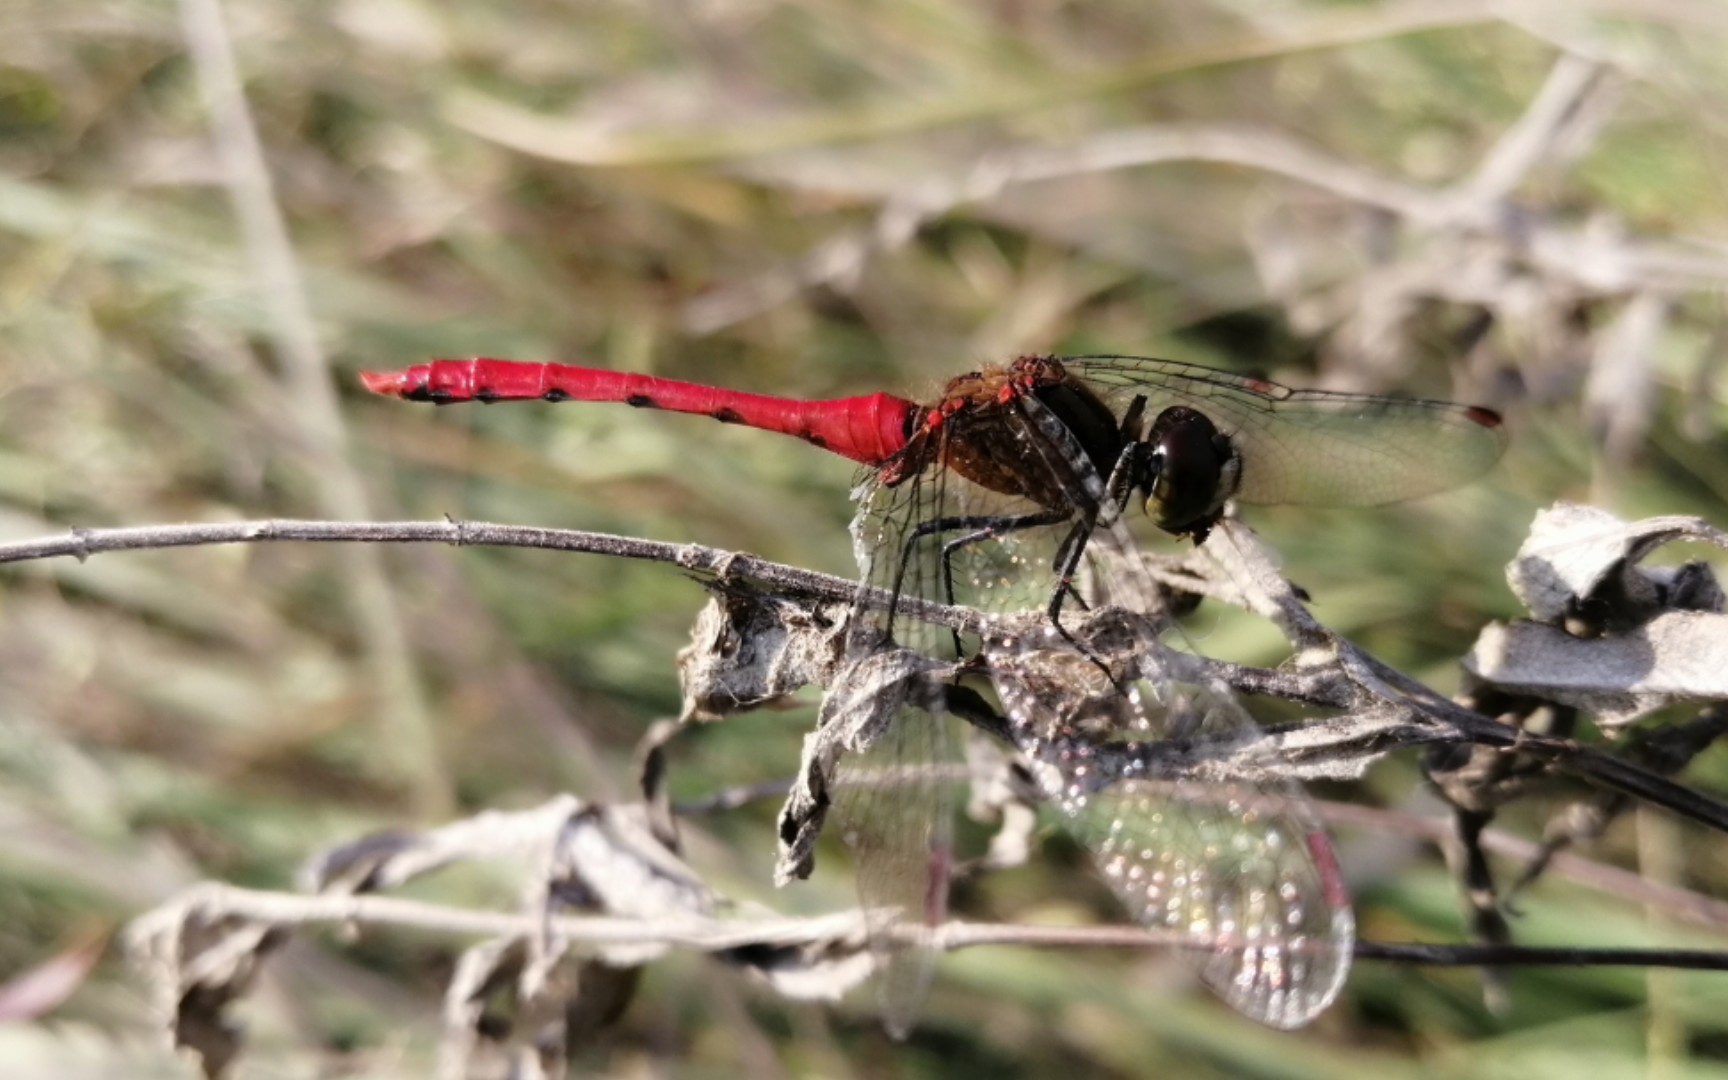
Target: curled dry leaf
(506, 1013)
(607, 859)
(1677, 656)
(200, 961)
(392, 858)
(1579, 557)
(812, 971)
(483, 971)
(527, 998)
(1614, 638)
(748, 648)
(862, 700)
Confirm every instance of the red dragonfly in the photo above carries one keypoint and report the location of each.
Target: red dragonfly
(1006, 493)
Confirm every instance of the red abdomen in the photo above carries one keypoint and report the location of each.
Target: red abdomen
(868, 429)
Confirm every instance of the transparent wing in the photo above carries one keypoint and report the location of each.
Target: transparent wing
(1236, 868)
(1243, 872)
(1313, 447)
(894, 806)
(933, 538)
(894, 815)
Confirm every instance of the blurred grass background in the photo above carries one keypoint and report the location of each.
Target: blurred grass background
(809, 198)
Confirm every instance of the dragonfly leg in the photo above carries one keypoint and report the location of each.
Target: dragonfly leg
(1123, 476)
(978, 536)
(1067, 563)
(980, 527)
(1117, 489)
(1132, 467)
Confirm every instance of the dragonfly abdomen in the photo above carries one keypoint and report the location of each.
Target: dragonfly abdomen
(868, 429)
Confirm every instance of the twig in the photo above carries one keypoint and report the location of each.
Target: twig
(1540, 956)
(1528, 142)
(82, 543)
(1682, 903)
(213, 903)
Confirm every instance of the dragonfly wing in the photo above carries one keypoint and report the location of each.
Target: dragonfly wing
(1237, 868)
(1313, 447)
(1242, 873)
(894, 814)
(894, 803)
(932, 538)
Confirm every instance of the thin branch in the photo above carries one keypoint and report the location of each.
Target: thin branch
(724, 565)
(1672, 900)
(211, 904)
(1539, 956)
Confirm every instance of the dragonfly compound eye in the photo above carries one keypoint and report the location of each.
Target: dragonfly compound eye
(1187, 470)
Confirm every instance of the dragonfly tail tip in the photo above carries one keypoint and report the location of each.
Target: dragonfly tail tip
(388, 383)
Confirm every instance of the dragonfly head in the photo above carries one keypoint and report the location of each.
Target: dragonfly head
(1188, 469)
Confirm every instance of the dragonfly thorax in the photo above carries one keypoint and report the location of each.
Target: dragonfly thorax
(982, 431)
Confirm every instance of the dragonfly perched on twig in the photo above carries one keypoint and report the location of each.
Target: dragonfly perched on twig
(1006, 493)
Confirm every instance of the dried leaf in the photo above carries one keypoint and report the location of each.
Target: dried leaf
(1677, 656)
(817, 971)
(861, 703)
(389, 859)
(747, 649)
(505, 1015)
(199, 963)
(1578, 558)
(608, 859)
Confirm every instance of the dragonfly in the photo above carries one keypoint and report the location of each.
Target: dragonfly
(1008, 492)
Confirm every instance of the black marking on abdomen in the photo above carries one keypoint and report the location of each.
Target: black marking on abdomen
(641, 401)
(814, 439)
(727, 416)
(485, 395)
(555, 395)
